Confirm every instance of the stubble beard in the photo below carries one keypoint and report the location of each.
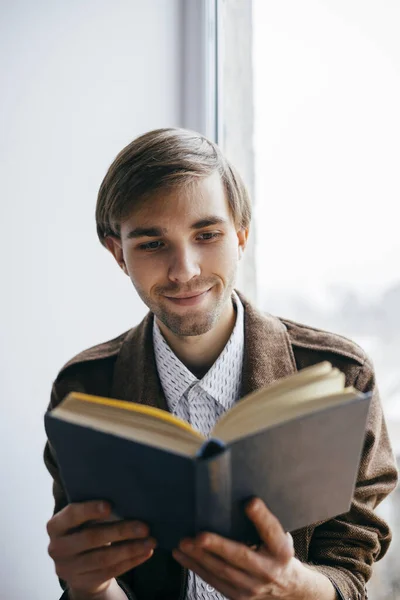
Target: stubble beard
(196, 322)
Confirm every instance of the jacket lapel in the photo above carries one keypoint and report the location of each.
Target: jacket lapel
(135, 373)
(268, 353)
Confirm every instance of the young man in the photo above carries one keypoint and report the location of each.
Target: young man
(175, 215)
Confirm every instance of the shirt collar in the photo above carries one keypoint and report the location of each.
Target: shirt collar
(223, 379)
(175, 377)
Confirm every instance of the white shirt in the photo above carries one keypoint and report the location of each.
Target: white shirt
(202, 402)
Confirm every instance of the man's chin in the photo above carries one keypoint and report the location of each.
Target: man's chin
(187, 326)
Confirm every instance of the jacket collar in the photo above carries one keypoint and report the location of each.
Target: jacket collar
(135, 373)
(268, 356)
(268, 353)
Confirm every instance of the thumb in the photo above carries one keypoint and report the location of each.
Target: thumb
(288, 551)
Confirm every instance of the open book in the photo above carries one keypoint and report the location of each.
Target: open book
(296, 444)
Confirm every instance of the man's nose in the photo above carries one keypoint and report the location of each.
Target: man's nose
(184, 265)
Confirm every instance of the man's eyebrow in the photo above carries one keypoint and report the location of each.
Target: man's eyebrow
(146, 232)
(207, 221)
(160, 231)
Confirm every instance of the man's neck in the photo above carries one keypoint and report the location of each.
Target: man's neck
(198, 353)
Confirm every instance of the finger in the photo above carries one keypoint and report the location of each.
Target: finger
(96, 537)
(238, 555)
(270, 530)
(76, 514)
(96, 578)
(109, 556)
(226, 589)
(218, 567)
(105, 558)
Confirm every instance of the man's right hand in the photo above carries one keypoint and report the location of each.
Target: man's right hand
(89, 556)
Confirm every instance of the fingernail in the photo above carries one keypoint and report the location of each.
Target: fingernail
(139, 530)
(256, 504)
(186, 546)
(150, 544)
(102, 507)
(204, 540)
(290, 539)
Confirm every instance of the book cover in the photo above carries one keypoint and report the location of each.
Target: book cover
(304, 469)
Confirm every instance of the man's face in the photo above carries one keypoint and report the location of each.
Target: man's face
(181, 249)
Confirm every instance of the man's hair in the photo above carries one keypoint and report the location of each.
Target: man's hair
(159, 159)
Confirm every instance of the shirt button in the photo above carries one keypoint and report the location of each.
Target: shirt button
(209, 588)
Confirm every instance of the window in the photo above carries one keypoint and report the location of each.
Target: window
(311, 96)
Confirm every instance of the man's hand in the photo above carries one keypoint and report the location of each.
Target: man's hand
(89, 558)
(238, 572)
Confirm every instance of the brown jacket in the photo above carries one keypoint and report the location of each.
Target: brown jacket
(343, 548)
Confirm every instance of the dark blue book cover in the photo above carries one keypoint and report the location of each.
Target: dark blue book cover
(304, 469)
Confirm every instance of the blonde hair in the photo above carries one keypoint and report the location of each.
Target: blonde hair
(164, 158)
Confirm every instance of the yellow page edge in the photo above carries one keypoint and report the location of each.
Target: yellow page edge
(138, 408)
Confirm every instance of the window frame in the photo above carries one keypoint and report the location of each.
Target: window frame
(201, 81)
(211, 29)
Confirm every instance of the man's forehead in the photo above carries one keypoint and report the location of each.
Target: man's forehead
(184, 205)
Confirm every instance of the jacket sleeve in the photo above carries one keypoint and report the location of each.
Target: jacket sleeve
(345, 548)
(59, 494)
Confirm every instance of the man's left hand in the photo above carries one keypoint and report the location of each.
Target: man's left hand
(269, 573)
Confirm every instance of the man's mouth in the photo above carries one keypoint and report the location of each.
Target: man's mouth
(188, 295)
(188, 298)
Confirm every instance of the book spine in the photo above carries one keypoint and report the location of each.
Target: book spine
(213, 489)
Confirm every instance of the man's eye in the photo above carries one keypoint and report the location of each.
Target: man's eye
(151, 245)
(209, 235)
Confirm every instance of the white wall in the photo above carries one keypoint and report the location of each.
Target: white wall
(79, 80)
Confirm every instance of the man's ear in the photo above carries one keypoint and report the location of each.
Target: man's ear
(242, 235)
(114, 245)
